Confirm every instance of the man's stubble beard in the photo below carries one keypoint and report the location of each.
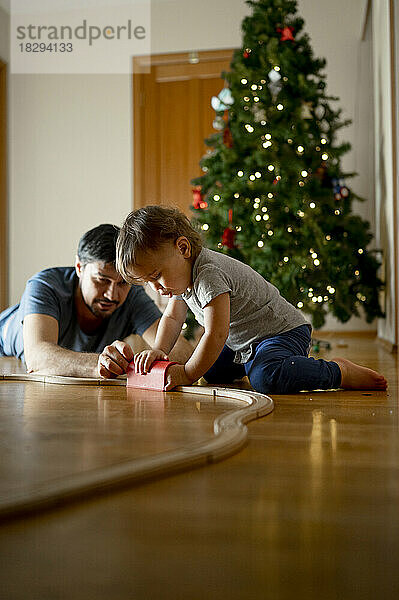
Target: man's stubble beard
(99, 314)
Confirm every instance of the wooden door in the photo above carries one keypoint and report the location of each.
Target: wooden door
(3, 188)
(172, 117)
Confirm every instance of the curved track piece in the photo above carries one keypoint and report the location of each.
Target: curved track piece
(230, 436)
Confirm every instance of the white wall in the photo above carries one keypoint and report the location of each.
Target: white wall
(396, 225)
(71, 152)
(383, 161)
(335, 29)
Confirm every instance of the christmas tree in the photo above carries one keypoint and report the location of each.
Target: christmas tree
(273, 193)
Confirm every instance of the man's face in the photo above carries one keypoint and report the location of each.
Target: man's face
(103, 289)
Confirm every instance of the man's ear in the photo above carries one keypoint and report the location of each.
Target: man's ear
(184, 246)
(78, 266)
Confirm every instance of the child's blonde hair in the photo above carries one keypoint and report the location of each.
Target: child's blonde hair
(147, 229)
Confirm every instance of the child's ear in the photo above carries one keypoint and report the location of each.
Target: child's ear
(183, 246)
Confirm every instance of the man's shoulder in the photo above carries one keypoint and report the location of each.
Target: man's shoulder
(137, 290)
(54, 274)
(137, 299)
(56, 281)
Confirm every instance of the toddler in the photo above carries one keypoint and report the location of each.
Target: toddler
(250, 329)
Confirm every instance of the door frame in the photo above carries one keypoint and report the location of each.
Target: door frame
(395, 158)
(3, 189)
(393, 57)
(141, 67)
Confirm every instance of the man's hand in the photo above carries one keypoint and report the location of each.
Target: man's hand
(114, 360)
(143, 360)
(176, 375)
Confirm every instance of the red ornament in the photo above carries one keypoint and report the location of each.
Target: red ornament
(198, 200)
(228, 238)
(247, 53)
(286, 34)
(227, 138)
(229, 234)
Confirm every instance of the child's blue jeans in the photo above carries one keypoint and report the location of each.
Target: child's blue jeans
(279, 365)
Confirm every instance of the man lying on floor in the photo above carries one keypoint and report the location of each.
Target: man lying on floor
(67, 316)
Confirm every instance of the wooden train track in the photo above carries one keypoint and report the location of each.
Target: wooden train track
(230, 435)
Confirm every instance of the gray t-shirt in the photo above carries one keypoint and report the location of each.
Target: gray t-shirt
(51, 292)
(257, 310)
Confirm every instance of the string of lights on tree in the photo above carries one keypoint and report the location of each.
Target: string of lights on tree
(273, 193)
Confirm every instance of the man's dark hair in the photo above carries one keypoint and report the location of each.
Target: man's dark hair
(98, 245)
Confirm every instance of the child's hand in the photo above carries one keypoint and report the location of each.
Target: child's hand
(143, 360)
(176, 375)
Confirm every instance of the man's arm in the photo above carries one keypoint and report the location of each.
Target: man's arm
(43, 355)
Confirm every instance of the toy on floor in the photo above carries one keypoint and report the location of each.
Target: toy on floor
(317, 344)
(155, 379)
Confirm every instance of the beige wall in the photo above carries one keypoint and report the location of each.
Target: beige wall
(70, 156)
(71, 151)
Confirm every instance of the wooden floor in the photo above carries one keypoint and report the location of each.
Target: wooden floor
(309, 509)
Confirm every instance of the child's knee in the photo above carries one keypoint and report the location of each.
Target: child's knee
(286, 376)
(262, 379)
(276, 377)
(267, 386)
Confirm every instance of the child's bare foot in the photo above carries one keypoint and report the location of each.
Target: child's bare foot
(356, 377)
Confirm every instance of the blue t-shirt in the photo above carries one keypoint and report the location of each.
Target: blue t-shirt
(51, 292)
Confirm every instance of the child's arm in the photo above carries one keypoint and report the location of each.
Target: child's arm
(168, 331)
(216, 324)
(170, 325)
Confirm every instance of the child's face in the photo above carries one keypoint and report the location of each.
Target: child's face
(167, 269)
